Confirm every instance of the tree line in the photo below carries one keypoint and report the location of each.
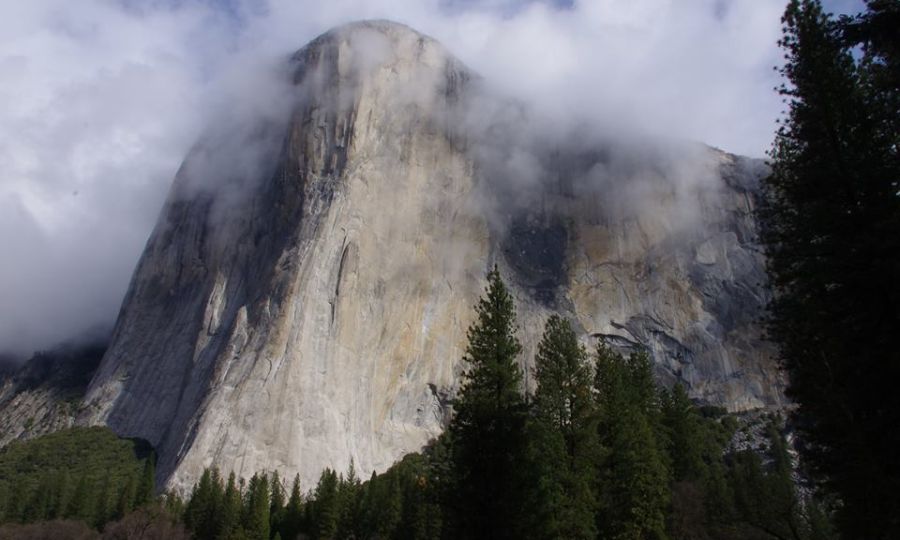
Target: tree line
(597, 451)
(81, 474)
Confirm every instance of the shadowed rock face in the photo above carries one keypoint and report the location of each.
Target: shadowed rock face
(42, 395)
(312, 308)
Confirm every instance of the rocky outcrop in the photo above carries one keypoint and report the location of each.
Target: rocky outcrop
(45, 393)
(307, 303)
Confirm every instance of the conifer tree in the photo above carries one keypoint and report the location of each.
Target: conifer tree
(563, 437)
(256, 508)
(832, 234)
(324, 507)
(421, 517)
(293, 515)
(277, 503)
(392, 504)
(230, 517)
(349, 524)
(488, 430)
(701, 500)
(634, 473)
(686, 438)
(202, 511)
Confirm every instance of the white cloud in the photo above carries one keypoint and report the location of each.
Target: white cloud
(101, 100)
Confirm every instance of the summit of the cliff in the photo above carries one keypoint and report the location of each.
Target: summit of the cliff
(367, 44)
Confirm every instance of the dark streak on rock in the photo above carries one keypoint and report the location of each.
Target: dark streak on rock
(535, 248)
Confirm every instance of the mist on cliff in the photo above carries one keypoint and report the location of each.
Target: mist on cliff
(102, 100)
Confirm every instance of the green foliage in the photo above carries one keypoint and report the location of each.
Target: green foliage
(230, 514)
(257, 506)
(147, 486)
(599, 451)
(562, 437)
(488, 431)
(202, 512)
(293, 521)
(78, 473)
(686, 439)
(324, 510)
(832, 233)
(634, 472)
(765, 498)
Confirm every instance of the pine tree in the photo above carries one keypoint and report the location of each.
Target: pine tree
(324, 506)
(276, 506)
(349, 499)
(392, 504)
(488, 430)
(230, 517)
(634, 473)
(701, 500)
(421, 516)
(832, 234)
(201, 514)
(564, 436)
(256, 508)
(686, 438)
(294, 511)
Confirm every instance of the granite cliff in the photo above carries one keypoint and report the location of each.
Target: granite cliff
(308, 305)
(44, 394)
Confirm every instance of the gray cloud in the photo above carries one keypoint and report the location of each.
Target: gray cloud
(103, 99)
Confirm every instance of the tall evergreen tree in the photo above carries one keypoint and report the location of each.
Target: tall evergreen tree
(202, 512)
(230, 516)
(256, 508)
(686, 437)
(276, 502)
(488, 429)
(563, 436)
(293, 514)
(765, 495)
(832, 229)
(634, 473)
(349, 521)
(324, 509)
(701, 500)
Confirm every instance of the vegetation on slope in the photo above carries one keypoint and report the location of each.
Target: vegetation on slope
(85, 474)
(598, 451)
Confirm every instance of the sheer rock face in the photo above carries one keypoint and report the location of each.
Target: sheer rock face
(312, 308)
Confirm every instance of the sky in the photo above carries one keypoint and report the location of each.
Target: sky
(101, 99)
